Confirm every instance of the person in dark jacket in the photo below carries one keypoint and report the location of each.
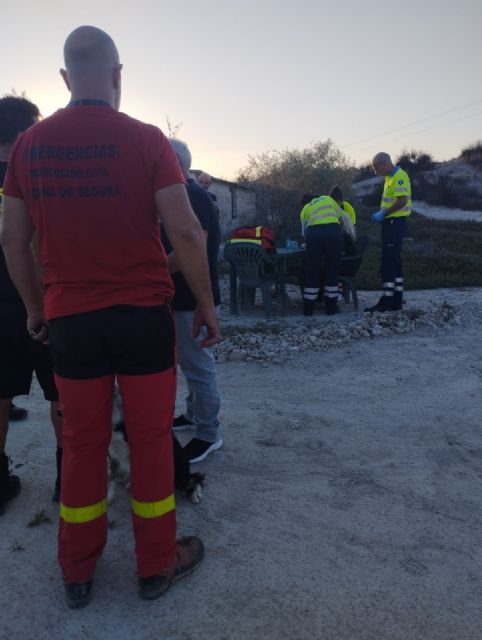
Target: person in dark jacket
(20, 355)
(197, 364)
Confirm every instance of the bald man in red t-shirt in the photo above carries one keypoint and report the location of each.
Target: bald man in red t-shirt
(92, 184)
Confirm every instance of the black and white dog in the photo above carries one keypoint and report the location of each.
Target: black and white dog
(187, 483)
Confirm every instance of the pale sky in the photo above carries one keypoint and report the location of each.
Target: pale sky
(248, 76)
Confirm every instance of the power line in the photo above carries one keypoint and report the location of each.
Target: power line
(405, 126)
(440, 124)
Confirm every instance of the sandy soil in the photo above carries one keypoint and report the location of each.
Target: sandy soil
(345, 504)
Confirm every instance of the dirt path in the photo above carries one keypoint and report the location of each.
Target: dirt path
(444, 213)
(345, 505)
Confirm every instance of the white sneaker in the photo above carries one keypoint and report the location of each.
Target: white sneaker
(197, 450)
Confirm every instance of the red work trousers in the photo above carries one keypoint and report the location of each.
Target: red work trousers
(136, 346)
(87, 430)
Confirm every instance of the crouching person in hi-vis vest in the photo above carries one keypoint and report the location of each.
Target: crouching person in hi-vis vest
(394, 211)
(93, 184)
(321, 218)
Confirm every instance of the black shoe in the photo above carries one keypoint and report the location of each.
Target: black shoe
(181, 423)
(398, 301)
(384, 304)
(11, 491)
(189, 555)
(16, 413)
(331, 307)
(308, 307)
(10, 485)
(197, 450)
(78, 594)
(333, 312)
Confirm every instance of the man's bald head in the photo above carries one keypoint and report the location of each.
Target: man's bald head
(92, 68)
(204, 179)
(90, 48)
(382, 164)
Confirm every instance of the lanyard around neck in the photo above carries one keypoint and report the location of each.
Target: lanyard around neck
(89, 102)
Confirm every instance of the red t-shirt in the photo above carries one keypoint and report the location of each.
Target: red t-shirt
(88, 175)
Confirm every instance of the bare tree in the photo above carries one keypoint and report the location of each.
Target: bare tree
(172, 129)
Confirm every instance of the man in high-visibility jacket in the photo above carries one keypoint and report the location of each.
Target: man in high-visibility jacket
(394, 210)
(93, 184)
(321, 220)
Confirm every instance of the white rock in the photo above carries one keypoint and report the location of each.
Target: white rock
(238, 355)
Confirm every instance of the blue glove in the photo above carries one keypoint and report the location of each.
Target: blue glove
(378, 216)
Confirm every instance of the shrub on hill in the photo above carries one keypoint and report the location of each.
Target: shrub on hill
(414, 162)
(473, 154)
(364, 172)
(447, 191)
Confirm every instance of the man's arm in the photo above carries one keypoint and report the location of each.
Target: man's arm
(188, 241)
(172, 261)
(399, 203)
(17, 235)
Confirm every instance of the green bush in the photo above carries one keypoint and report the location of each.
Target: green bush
(280, 178)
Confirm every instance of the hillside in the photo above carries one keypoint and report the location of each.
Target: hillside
(452, 185)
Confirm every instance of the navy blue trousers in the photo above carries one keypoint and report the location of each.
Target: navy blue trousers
(323, 251)
(393, 231)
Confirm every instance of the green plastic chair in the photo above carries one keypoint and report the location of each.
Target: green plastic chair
(348, 270)
(254, 268)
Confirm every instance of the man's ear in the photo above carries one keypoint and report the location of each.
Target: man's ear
(116, 76)
(65, 77)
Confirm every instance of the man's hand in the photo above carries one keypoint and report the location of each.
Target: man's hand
(378, 216)
(37, 327)
(206, 318)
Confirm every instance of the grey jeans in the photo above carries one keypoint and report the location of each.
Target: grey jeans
(199, 368)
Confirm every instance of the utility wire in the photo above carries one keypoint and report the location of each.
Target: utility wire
(410, 124)
(440, 124)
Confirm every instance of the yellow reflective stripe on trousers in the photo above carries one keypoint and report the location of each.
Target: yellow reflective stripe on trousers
(153, 509)
(258, 232)
(78, 515)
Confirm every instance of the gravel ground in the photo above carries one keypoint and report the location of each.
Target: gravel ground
(344, 505)
(251, 338)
